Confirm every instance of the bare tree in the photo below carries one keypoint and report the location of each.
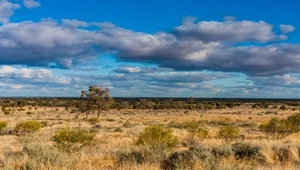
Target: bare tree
(97, 99)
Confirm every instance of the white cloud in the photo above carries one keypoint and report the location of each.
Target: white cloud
(287, 28)
(68, 47)
(230, 30)
(31, 4)
(7, 10)
(74, 23)
(32, 75)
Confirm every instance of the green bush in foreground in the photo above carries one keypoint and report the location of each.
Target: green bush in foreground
(2, 125)
(157, 138)
(72, 139)
(279, 128)
(28, 126)
(229, 133)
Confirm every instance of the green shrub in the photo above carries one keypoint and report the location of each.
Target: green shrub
(199, 132)
(72, 139)
(278, 128)
(229, 133)
(185, 125)
(295, 119)
(245, 151)
(2, 125)
(118, 130)
(6, 112)
(157, 138)
(93, 121)
(29, 113)
(28, 126)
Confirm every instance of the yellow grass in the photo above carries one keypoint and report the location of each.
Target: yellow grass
(102, 155)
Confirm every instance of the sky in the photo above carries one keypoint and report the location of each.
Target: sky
(150, 48)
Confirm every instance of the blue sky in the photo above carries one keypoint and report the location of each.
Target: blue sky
(150, 48)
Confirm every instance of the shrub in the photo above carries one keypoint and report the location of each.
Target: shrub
(179, 160)
(187, 159)
(133, 157)
(283, 107)
(222, 151)
(6, 112)
(199, 132)
(29, 113)
(2, 125)
(72, 139)
(196, 134)
(278, 128)
(28, 126)
(185, 125)
(118, 130)
(245, 151)
(44, 123)
(228, 133)
(44, 157)
(93, 121)
(128, 124)
(295, 119)
(157, 138)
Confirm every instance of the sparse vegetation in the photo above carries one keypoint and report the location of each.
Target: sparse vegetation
(279, 128)
(72, 139)
(27, 126)
(149, 134)
(229, 133)
(157, 138)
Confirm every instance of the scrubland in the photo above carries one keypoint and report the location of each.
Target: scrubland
(56, 138)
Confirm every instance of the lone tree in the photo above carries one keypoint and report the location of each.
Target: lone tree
(97, 99)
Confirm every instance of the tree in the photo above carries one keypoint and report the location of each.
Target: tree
(97, 99)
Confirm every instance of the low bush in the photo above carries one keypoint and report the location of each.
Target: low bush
(93, 121)
(128, 124)
(132, 157)
(229, 133)
(157, 138)
(179, 160)
(28, 126)
(29, 113)
(72, 139)
(295, 119)
(187, 159)
(245, 151)
(222, 151)
(278, 128)
(2, 125)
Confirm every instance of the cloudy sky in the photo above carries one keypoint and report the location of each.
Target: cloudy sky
(150, 48)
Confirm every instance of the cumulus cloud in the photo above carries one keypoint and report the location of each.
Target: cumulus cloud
(31, 75)
(31, 4)
(7, 10)
(230, 30)
(277, 80)
(287, 28)
(74, 23)
(67, 45)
